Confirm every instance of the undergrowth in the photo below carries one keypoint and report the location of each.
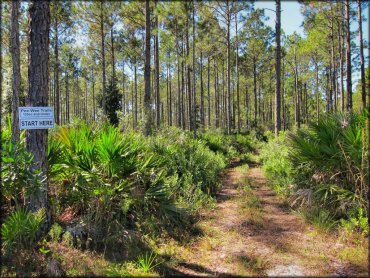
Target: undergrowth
(115, 192)
(321, 169)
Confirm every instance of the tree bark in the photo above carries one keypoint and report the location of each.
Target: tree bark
(340, 48)
(305, 102)
(93, 93)
(135, 94)
(102, 37)
(183, 96)
(38, 82)
(216, 96)
(67, 97)
(147, 110)
(113, 56)
(228, 108)
(209, 92)
(1, 70)
(317, 93)
(179, 102)
(237, 74)
(202, 119)
(277, 70)
(255, 91)
(123, 89)
(333, 67)
(348, 58)
(283, 96)
(298, 99)
(157, 88)
(189, 93)
(362, 61)
(56, 73)
(194, 104)
(170, 96)
(15, 51)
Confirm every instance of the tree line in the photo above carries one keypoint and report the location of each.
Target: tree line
(190, 64)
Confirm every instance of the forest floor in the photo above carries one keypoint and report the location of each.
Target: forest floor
(251, 231)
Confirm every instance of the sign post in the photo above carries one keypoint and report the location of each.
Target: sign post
(36, 117)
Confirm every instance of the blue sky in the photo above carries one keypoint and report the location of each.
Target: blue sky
(291, 20)
(291, 17)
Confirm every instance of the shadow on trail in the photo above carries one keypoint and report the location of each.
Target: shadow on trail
(279, 231)
(169, 271)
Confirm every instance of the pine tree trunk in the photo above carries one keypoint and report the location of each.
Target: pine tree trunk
(216, 96)
(170, 91)
(237, 74)
(93, 94)
(123, 89)
(334, 70)
(201, 92)
(277, 70)
(228, 108)
(67, 97)
(209, 92)
(340, 48)
(38, 81)
(135, 95)
(15, 51)
(298, 99)
(194, 99)
(179, 102)
(283, 96)
(305, 102)
(188, 87)
(348, 58)
(317, 92)
(157, 89)
(102, 37)
(183, 100)
(362, 61)
(85, 102)
(255, 91)
(1, 67)
(147, 112)
(167, 95)
(56, 74)
(246, 104)
(113, 55)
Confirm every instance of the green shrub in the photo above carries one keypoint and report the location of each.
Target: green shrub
(333, 150)
(18, 179)
(55, 232)
(356, 222)
(276, 164)
(328, 158)
(67, 238)
(126, 179)
(193, 163)
(20, 229)
(231, 146)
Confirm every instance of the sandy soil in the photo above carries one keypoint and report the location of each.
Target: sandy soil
(264, 239)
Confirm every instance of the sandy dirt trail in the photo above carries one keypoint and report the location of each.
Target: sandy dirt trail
(255, 233)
